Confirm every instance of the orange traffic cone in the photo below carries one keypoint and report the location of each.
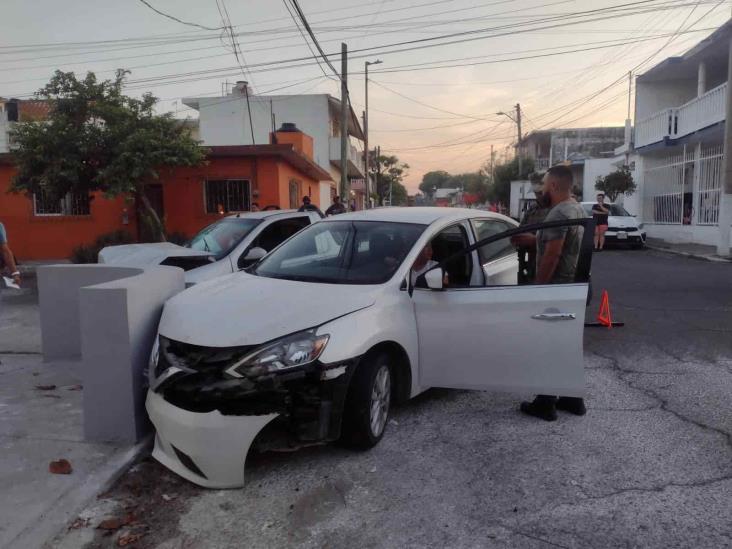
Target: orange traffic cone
(603, 315)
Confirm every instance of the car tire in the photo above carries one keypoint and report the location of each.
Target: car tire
(368, 403)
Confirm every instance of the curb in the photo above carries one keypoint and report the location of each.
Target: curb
(52, 524)
(712, 258)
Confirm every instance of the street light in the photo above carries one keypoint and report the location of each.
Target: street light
(366, 128)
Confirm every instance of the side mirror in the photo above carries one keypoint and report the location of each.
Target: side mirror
(255, 254)
(434, 279)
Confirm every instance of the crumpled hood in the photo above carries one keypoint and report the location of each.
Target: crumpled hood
(144, 255)
(622, 221)
(243, 309)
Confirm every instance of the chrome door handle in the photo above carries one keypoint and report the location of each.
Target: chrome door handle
(554, 316)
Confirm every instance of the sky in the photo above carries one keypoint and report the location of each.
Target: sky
(448, 66)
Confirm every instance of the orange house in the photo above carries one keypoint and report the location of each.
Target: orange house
(232, 180)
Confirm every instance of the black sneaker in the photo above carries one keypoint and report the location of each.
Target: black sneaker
(572, 405)
(543, 407)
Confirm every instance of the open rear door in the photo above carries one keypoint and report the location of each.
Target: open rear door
(524, 339)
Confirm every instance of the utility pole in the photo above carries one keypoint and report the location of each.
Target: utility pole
(725, 204)
(378, 171)
(366, 124)
(366, 159)
(493, 173)
(344, 192)
(518, 144)
(628, 123)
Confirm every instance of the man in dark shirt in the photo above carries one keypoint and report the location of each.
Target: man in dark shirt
(308, 206)
(336, 208)
(600, 214)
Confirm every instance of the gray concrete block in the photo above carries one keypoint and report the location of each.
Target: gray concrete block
(58, 293)
(118, 322)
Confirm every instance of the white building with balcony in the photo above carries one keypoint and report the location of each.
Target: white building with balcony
(679, 139)
(225, 121)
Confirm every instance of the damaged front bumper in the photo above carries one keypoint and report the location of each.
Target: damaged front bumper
(206, 421)
(209, 449)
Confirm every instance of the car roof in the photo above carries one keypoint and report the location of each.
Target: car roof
(421, 215)
(261, 214)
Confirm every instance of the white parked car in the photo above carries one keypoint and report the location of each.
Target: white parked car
(622, 228)
(223, 247)
(319, 339)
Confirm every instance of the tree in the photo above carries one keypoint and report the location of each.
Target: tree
(432, 180)
(616, 183)
(500, 188)
(98, 139)
(473, 182)
(390, 176)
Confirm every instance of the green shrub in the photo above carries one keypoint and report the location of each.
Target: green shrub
(87, 253)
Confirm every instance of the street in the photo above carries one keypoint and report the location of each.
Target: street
(650, 465)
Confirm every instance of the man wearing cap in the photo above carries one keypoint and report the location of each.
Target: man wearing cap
(6, 256)
(534, 214)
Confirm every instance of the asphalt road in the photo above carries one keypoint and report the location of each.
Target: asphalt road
(649, 466)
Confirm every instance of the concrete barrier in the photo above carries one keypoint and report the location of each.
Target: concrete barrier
(107, 317)
(58, 294)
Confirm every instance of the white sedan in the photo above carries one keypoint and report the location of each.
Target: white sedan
(318, 339)
(223, 247)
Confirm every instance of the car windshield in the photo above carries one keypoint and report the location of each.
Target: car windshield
(616, 210)
(342, 252)
(221, 237)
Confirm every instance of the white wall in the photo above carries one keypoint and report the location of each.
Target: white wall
(685, 234)
(519, 190)
(595, 167)
(225, 120)
(652, 97)
(325, 200)
(4, 127)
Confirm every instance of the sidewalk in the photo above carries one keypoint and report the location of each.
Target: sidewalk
(698, 251)
(41, 421)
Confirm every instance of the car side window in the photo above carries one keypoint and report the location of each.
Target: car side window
(275, 234)
(446, 243)
(495, 250)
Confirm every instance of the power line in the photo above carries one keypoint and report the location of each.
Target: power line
(307, 43)
(305, 23)
(235, 45)
(175, 18)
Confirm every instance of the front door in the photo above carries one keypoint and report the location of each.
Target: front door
(513, 338)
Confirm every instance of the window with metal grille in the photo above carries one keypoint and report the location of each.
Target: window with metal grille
(227, 195)
(72, 204)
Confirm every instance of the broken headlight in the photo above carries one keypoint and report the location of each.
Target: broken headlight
(289, 352)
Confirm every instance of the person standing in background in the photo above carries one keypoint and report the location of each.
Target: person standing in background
(6, 257)
(600, 213)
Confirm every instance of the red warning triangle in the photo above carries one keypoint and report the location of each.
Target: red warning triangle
(603, 315)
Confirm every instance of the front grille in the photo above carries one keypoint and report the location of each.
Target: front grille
(626, 229)
(206, 360)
